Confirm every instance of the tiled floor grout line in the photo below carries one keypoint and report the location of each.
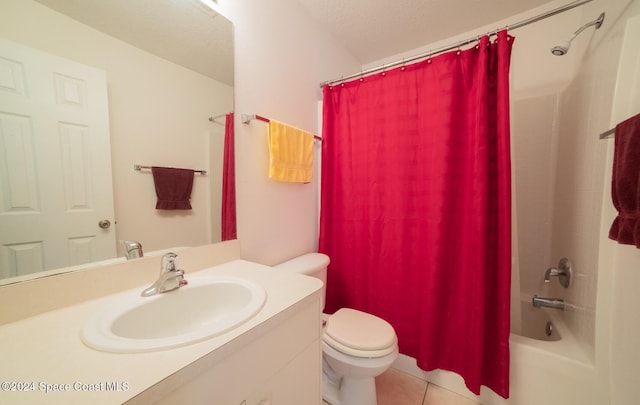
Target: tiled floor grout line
(424, 397)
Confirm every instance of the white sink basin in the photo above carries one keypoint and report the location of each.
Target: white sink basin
(206, 307)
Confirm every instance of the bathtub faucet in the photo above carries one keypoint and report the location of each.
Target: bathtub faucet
(540, 302)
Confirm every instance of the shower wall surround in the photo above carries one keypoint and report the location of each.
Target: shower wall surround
(534, 149)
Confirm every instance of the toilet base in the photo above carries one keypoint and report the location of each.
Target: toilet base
(330, 390)
(343, 390)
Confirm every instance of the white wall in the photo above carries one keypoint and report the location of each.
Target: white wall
(158, 116)
(281, 58)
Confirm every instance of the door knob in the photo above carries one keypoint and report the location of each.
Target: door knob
(104, 224)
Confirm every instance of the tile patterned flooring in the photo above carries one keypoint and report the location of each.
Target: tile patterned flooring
(395, 387)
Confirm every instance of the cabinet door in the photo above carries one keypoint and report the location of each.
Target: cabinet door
(290, 386)
(281, 364)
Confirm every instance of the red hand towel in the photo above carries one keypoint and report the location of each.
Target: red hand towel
(228, 218)
(625, 185)
(173, 187)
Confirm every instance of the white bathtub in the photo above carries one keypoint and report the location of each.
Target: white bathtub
(544, 370)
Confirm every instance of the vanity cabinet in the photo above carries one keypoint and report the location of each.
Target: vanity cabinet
(276, 363)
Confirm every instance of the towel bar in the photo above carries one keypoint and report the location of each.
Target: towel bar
(140, 167)
(608, 134)
(246, 118)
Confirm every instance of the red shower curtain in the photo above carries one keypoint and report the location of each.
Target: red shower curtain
(416, 209)
(229, 183)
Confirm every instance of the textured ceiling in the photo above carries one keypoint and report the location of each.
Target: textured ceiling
(375, 29)
(184, 32)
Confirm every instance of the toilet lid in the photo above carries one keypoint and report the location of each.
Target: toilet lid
(359, 334)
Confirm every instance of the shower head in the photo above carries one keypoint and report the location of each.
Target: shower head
(563, 47)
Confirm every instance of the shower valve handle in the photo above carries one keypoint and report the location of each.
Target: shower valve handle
(563, 272)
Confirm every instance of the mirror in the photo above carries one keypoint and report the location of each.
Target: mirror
(168, 68)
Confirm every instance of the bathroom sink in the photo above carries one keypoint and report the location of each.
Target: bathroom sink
(206, 307)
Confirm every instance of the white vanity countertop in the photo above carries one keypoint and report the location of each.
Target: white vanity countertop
(44, 350)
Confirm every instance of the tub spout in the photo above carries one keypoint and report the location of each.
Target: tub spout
(539, 302)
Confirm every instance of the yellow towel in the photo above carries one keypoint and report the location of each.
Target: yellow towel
(290, 153)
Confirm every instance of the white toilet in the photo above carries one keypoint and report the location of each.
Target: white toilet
(356, 346)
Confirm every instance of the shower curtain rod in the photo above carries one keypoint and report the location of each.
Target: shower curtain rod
(458, 44)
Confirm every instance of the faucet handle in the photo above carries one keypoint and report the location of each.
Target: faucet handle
(180, 277)
(551, 272)
(183, 282)
(563, 272)
(168, 263)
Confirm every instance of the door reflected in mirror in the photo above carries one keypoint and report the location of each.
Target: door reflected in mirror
(165, 72)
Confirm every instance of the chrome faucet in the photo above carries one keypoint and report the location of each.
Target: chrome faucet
(563, 272)
(170, 278)
(539, 302)
(133, 249)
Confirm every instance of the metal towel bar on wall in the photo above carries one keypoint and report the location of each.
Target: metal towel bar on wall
(608, 134)
(140, 167)
(611, 132)
(247, 118)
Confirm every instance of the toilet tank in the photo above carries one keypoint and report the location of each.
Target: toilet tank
(310, 264)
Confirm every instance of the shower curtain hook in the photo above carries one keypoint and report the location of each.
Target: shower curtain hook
(429, 56)
(361, 76)
(383, 71)
(403, 68)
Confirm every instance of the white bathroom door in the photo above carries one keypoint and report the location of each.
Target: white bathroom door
(55, 163)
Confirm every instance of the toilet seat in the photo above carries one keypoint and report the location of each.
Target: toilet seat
(359, 334)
